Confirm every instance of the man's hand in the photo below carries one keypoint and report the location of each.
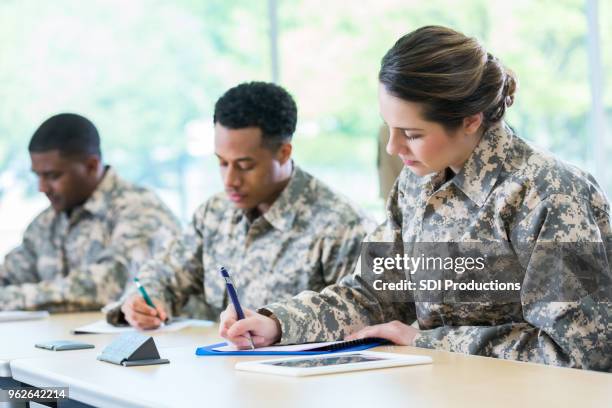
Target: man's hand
(142, 316)
(264, 330)
(397, 332)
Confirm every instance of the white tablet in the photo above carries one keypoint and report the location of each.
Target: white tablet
(332, 363)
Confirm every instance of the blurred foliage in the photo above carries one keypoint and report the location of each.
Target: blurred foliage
(331, 60)
(142, 70)
(342, 48)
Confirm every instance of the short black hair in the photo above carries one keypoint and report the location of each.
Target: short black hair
(259, 104)
(71, 134)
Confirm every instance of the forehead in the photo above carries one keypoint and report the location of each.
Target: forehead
(237, 143)
(397, 112)
(51, 160)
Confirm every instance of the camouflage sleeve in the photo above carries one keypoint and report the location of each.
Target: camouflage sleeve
(139, 231)
(565, 308)
(337, 311)
(347, 306)
(341, 252)
(179, 272)
(20, 264)
(171, 276)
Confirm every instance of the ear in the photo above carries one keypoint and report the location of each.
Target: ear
(92, 164)
(472, 123)
(284, 152)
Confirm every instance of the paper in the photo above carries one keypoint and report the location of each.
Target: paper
(291, 347)
(103, 327)
(13, 316)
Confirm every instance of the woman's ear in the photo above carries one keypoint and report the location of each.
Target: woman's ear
(471, 124)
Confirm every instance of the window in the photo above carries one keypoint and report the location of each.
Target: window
(148, 72)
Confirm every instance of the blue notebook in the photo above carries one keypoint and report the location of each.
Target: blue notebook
(325, 348)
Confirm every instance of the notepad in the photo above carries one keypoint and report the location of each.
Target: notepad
(17, 315)
(102, 327)
(132, 349)
(225, 349)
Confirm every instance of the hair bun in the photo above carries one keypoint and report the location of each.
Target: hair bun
(451, 75)
(510, 86)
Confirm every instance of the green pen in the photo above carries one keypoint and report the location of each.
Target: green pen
(144, 293)
(146, 296)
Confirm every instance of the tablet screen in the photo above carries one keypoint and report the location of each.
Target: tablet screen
(325, 361)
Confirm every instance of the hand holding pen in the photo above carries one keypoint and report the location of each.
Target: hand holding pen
(262, 330)
(143, 312)
(233, 295)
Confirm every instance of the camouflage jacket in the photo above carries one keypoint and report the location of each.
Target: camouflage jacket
(506, 192)
(308, 239)
(83, 261)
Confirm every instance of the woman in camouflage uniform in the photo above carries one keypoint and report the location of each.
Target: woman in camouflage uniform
(468, 178)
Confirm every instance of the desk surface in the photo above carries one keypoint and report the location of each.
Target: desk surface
(452, 380)
(18, 338)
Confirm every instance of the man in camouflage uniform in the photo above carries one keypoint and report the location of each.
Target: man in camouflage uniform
(277, 229)
(79, 253)
(505, 192)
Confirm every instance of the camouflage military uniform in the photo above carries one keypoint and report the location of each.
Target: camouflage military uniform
(506, 191)
(83, 261)
(308, 239)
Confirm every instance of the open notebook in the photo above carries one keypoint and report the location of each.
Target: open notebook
(102, 327)
(224, 349)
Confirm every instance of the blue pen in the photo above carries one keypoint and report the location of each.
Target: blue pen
(231, 291)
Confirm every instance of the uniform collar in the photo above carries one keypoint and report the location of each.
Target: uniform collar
(479, 173)
(98, 202)
(282, 212)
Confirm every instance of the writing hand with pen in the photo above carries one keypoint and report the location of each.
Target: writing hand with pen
(143, 312)
(245, 328)
(262, 330)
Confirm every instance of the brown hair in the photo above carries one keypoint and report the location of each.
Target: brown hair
(450, 74)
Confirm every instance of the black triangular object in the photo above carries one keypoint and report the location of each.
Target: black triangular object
(132, 349)
(146, 351)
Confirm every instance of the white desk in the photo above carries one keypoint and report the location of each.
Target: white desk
(188, 381)
(17, 339)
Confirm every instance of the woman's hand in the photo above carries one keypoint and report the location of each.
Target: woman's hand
(263, 330)
(395, 331)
